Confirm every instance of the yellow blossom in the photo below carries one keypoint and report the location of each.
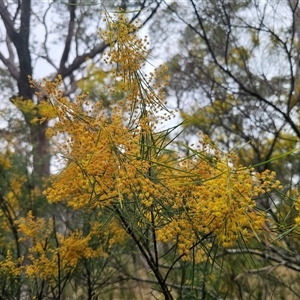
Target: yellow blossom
(127, 166)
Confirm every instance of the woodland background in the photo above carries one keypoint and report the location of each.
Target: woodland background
(123, 178)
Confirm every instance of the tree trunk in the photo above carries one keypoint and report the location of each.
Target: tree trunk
(39, 141)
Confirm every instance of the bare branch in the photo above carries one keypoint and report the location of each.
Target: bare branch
(8, 22)
(9, 49)
(8, 62)
(290, 263)
(79, 60)
(47, 56)
(65, 55)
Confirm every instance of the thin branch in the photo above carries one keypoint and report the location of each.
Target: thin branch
(176, 286)
(79, 60)
(58, 257)
(288, 263)
(184, 254)
(154, 269)
(47, 56)
(8, 22)
(154, 238)
(14, 72)
(9, 48)
(65, 55)
(11, 217)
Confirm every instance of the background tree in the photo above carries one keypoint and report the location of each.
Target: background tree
(235, 76)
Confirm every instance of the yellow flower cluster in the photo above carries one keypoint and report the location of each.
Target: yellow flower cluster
(35, 233)
(5, 161)
(190, 197)
(219, 202)
(297, 207)
(73, 248)
(9, 266)
(51, 252)
(127, 50)
(132, 169)
(128, 53)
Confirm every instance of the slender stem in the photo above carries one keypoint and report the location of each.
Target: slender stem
(155, 270)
